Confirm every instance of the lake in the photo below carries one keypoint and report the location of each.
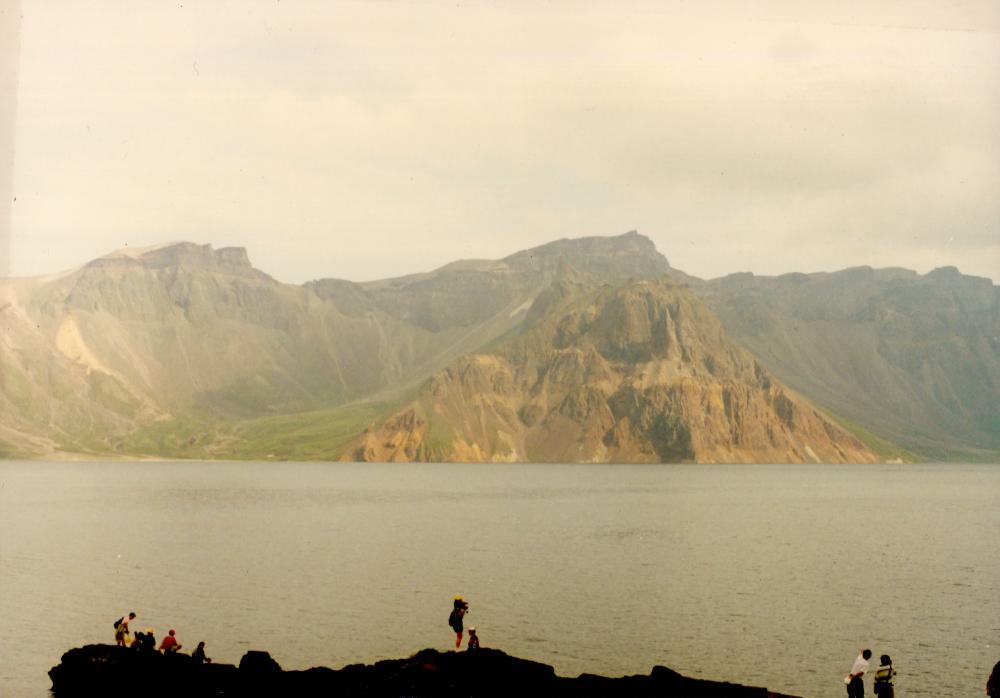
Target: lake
(766, 575)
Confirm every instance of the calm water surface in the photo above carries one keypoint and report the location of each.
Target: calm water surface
(767, 575)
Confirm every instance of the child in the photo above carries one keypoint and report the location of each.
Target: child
(473, 640)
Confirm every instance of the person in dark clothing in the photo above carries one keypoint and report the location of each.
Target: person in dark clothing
(473, 640)
(199, 654)
(883, 678)
(993, 683)
(455, 619)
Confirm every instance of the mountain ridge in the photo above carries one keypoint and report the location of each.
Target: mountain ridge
(913, 357)
(177, 349)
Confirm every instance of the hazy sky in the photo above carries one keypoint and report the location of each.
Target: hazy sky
(366, 140)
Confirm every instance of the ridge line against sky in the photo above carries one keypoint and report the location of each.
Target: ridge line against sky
(373, 140)
(140, 251)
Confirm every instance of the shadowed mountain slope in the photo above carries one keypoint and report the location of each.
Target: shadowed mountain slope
(914, 359)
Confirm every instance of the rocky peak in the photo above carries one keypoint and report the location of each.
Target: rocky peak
(638, 373)
(628, 255)
(231, 260)
(224, 259)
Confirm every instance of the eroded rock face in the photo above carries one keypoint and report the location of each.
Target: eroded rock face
(108, 670)
(642, 373)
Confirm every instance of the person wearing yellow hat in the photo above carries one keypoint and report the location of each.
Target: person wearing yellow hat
(145, 641)
(455, 619)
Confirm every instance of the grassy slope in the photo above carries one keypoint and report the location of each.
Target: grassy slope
(315, 435)
(880, 446)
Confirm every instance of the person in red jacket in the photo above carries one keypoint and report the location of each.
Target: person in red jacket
(170, 643)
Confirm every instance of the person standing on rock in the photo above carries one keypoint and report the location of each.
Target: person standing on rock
(455, 619)
(883, 685)
(121, 628)
(855, 684)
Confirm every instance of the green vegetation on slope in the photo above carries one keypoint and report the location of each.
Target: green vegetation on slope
(885, 449)
(315, 435)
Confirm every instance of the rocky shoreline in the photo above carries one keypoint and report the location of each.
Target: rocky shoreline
(101, 669)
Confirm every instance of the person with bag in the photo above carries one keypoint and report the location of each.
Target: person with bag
(855, 684)
(883, 685)
(121, 628)
(455, 619)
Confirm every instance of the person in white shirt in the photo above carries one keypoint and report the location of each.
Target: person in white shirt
(121, 628)
(855, 684)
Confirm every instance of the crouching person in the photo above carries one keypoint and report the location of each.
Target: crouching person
(170, 644)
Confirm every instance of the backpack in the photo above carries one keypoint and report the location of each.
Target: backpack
(883, 677)
(454, 620)
(119, 622)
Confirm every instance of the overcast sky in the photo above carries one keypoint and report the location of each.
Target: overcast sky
(367, 140)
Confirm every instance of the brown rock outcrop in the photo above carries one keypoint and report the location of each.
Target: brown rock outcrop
(642, 373)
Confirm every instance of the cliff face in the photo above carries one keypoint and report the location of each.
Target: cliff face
(641, 373)
(913, 358)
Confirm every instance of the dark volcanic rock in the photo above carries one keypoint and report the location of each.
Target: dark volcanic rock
(101, 669)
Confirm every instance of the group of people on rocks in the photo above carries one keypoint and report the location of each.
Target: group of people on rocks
(146, 641)
(883, 685)
(455, 620)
